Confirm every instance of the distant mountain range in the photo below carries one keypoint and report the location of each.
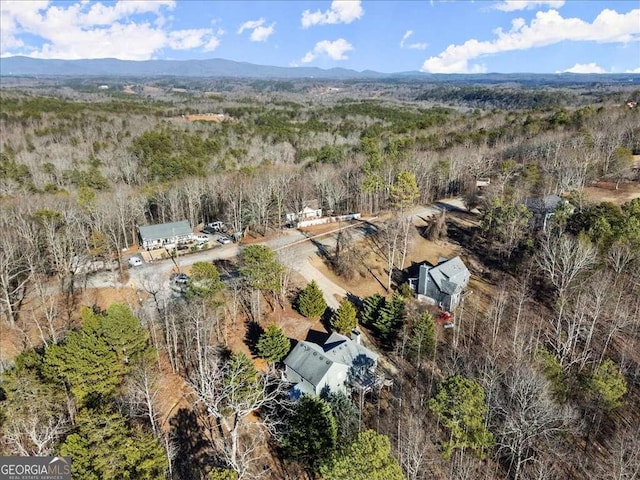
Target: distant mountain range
(215, 67)
(218, 67)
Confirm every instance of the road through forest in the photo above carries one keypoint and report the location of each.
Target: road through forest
(294, 249)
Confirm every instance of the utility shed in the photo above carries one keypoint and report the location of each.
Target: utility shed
(157, 236)
(444, 283)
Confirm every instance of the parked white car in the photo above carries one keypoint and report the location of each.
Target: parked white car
(202, 238)
(224, 240)
(215, 226)
(135, 262)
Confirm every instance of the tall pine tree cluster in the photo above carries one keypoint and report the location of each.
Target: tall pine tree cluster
(384, 315)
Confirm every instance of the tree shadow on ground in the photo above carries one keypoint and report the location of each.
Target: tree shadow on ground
(193, 453)
(254, 331)
(325, 318)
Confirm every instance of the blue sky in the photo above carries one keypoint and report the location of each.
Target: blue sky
(540, 36)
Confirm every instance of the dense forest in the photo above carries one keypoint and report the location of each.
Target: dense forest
(540, 378)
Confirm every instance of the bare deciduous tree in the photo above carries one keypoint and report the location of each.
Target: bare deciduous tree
(526, 418)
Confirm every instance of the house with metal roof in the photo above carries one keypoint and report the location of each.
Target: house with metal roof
(543, 208)
(444, 283)
(335, 366)
(165, 234)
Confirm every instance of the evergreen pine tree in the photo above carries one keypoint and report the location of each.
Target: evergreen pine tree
(94, 360)
(391, 316)
(310, 302)
(312, 431)
(422, 343)
(369, 457)
(460, 407)
(608, 385)
(344, 319)
(104, 447)
(346, 415)
(273, 344)
(371, 309)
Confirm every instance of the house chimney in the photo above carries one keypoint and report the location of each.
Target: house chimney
(355, 336)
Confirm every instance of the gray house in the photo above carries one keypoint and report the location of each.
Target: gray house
(165, 234)
(443, 284)
(543, 208)
(335, 366)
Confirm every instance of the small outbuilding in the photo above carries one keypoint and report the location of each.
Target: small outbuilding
(443, 283)
(165, 234)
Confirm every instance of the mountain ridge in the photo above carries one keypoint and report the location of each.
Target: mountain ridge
(17, 66)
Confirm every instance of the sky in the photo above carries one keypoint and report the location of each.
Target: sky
(435, 36)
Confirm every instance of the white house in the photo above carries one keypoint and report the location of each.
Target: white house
(307, 213)
(333, 366)
(165, 234)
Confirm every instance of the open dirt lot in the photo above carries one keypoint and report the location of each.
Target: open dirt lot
(206, 117)
(371, 276)
(606, 192)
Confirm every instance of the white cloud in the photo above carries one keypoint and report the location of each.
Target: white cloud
(547, 28)
(259, 32)
(341, 11)
(515, 5)
(413, 46)
(250, 25)
(335, 50)
(585, 68)
(81, 30)
(635, 70)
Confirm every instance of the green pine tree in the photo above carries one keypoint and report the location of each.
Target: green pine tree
(460, 407)
(404, 192)
(422, 343)
(260, 268)
(222, 474)
(310, 301)
(371, 307)
(104, 447)
(273, 344)
(346, 415)
(608, 385)
(344, 319)
(242, 379)
(369, 457)
(94, 360)
(391, 317)
(312, 431)
(204, 281)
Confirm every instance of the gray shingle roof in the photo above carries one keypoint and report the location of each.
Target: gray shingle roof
(450, 276)
(312, 362)
(343, 350)
(165, 230)
(545, 204)
(309, 361)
